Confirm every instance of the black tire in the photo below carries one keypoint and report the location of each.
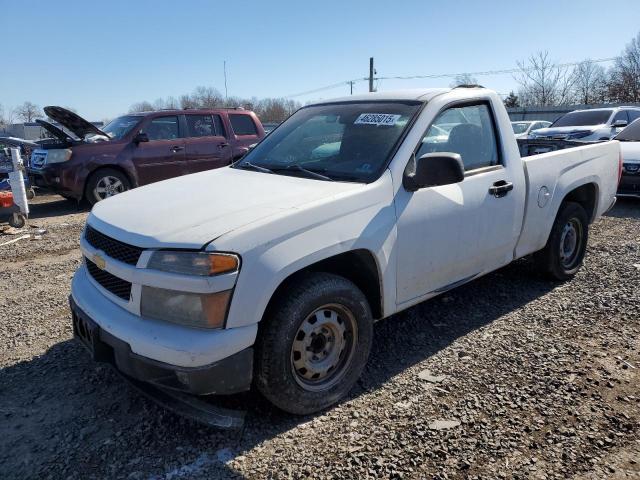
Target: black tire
(278, 375)
(100, 178)
(558, 260)
(17, 220)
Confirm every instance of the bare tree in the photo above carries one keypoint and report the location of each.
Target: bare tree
(187, 101)
(544, 83)
(589, 82)
(3, 120)
(463, 79)
(171, 102)
(624, 81)
(141, 107)
(27, 112)
(207, 97)
(158, 104)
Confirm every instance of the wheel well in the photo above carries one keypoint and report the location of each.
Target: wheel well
(358, 266)
(585, 195)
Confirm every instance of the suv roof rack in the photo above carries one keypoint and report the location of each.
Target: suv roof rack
(207, 108)
(470, 85)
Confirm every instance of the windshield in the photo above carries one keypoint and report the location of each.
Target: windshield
(119, 127)
(520, 127)
(584, 117)
(631, 133)
(343, 141)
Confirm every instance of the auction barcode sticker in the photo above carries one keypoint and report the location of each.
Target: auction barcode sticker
(377, 119)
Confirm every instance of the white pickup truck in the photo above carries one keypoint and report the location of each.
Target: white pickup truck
(272, 271)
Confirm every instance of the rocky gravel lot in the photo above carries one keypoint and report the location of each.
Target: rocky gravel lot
(510, 376)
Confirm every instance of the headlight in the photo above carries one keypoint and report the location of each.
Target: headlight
(194, 263)
(58, 155)
(581, 134)
(206, 310)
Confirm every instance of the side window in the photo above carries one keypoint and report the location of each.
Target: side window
(467, 131)
(217, 121)
(200, 126)
(242, 124)
(633, 115)
(163, 128)
(621, 115)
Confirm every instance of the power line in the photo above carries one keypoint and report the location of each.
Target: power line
(444, 75)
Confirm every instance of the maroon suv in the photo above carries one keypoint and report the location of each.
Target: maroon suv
(137, 149)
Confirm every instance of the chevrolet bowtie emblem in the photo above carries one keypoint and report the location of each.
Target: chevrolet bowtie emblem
(99, 261)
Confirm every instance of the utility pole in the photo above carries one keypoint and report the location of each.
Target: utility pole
(351, 82)
(226, 96)
(371, 74)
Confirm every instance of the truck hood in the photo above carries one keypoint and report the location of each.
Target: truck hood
(193, 210)
(564, 132)
(72, 121)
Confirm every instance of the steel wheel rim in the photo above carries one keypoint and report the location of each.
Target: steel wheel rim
(570, 243)
(108, 186)
(323, 347)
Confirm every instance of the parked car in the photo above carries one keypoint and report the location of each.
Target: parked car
(630, 148)
(522, 129)
(589, 125)
(138, 149)
(6, 144)
(272, 271)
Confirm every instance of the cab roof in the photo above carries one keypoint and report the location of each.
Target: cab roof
(419, 94)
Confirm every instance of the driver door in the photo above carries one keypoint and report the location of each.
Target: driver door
(449, 234)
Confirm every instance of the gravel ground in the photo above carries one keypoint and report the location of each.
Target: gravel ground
(510, 376)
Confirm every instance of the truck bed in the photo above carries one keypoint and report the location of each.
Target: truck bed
(563, 170)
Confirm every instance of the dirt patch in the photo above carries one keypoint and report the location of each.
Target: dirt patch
(540, 381)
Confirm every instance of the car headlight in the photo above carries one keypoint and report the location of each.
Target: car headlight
(194, 263)
(203, 310)
(58, 155)
(580, 134)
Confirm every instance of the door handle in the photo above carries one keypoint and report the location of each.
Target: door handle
(223, 144)
(500, 188)
(176, 148)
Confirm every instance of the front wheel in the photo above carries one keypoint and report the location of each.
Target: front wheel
(562, 257)
(105, 183)
(314, 344)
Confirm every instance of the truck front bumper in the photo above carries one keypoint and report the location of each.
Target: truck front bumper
(629, 185)
(229, 375)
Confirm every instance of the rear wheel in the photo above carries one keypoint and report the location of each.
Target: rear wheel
(105, 183)
(562, 257)
(314, 344)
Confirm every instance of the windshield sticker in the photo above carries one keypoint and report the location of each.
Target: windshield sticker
(377, 119)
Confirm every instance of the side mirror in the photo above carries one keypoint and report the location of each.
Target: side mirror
(432, 170)
(141, 137)
(620, 124)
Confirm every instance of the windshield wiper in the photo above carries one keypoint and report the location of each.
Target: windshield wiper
(296, 167)
(251, 166)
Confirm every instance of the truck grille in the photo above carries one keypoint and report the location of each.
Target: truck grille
(113, 248)
(632, 168)
(117, 286)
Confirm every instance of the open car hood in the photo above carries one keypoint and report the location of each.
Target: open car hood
(53, 130)
(72, 121)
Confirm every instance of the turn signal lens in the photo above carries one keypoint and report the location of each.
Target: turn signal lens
(194, 263)
(222, 263)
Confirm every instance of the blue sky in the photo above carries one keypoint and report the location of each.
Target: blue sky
(100, 57)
